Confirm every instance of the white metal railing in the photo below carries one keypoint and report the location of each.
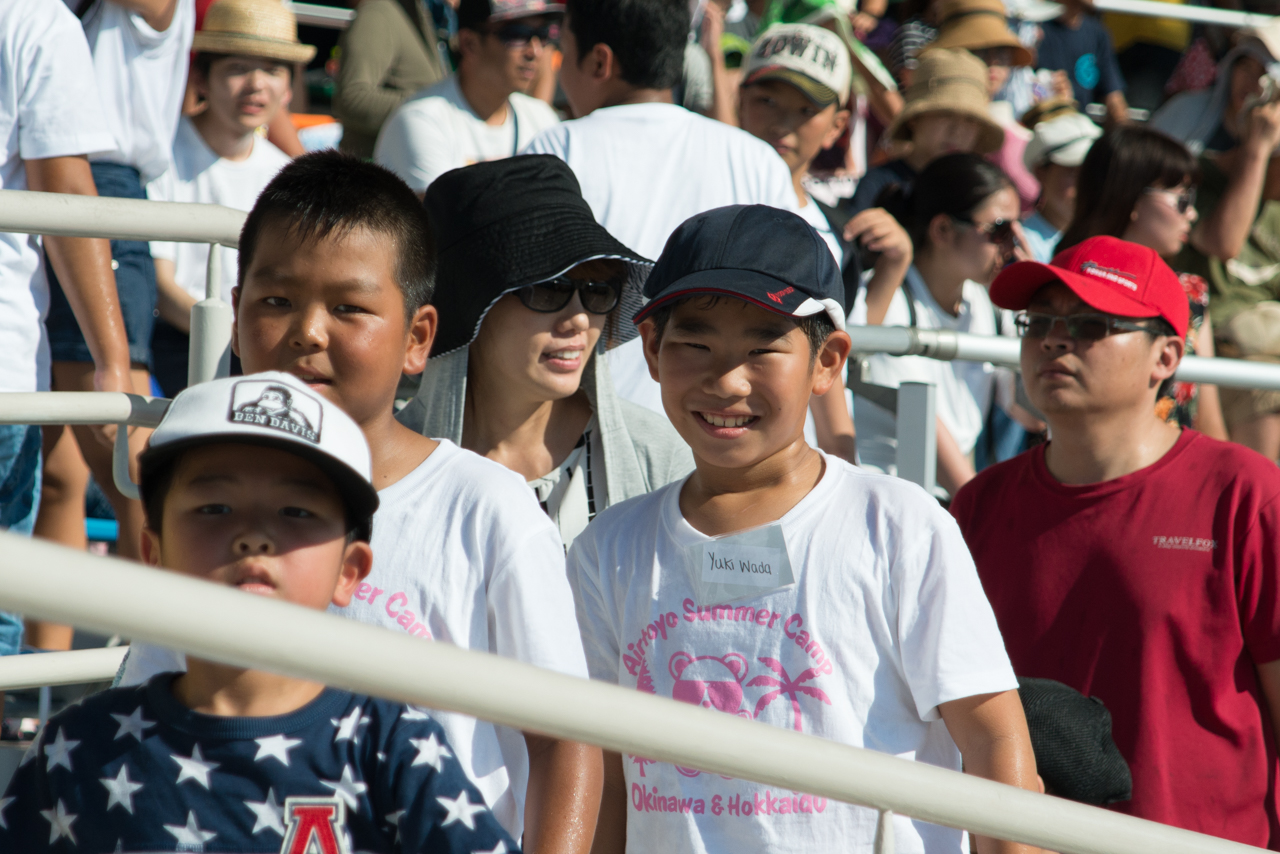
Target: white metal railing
(45, 669)
(322, 16)
(114, 596)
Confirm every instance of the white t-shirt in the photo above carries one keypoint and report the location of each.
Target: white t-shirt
(142, 74)
(815, 217)
(200, 175)
(964, 388)
(49, 107)
(437, 130)
(886, 619)
(464, 554)
(646, 168)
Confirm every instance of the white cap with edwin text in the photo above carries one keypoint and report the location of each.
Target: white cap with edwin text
(273, 409)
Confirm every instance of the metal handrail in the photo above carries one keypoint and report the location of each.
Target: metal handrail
(69, 215)
(114, 596)
(946, 345)
(76, 667)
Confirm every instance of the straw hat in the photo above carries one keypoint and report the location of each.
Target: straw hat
(977, 25)
(264, 28)
(951, 81)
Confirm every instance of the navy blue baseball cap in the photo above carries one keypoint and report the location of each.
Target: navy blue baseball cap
(761, 255)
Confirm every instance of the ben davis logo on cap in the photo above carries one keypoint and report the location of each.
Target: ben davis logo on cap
(264, 403)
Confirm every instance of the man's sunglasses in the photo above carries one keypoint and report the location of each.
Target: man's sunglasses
(1081, 327)
(999, 232)
(518, 35)
(554, 294)
(1182, 201)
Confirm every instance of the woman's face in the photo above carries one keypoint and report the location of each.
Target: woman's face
(1156, 222)
(968, 245)
(539, 355)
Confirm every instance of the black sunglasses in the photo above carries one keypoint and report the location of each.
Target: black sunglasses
(999, 232)
(1081, 327)
(555, 294)
(518, 35)
(1182, 200)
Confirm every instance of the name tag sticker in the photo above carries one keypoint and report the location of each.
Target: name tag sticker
(742, 565)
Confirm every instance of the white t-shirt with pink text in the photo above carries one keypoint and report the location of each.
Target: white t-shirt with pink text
(886, 619)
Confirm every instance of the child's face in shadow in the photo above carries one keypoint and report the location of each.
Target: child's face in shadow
(736, 379)
(329, 311)
(259, 519)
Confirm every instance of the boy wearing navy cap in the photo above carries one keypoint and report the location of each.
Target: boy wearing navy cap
(777, 582)
(1131, 559)
(261, 484)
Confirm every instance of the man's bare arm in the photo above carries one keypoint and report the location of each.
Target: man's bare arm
(563, 797)
(991, 732)
(83, 267)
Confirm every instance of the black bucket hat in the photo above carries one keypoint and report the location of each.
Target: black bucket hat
(1071, 738)
(505, 224)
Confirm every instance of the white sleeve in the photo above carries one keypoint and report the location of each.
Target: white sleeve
(599, 633)
(144, 660)
(531, 614)
(951, 645)
(414, 145)
(59, 107)
(778, 190)
(553, 141)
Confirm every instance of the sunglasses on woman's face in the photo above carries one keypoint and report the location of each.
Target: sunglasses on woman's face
(1181, 200)
(999, 232)
(554, 294)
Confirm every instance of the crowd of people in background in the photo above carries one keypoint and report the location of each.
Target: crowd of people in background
(569, 292)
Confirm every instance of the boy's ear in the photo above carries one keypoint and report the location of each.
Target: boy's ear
(421, 334)
(600, 63)
(837, 127)
(357, 561)
(828, 364)
(150, 546)
(235, 318)
(651, 342)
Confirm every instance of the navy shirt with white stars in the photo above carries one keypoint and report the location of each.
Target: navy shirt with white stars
(133, 770)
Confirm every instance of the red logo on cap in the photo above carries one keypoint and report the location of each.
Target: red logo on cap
(777, 296)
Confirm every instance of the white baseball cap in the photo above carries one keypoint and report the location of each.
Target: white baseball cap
(814, 60)
(1064, 140)
(276, 410)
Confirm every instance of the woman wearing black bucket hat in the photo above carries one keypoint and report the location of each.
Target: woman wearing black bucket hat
(529, 288)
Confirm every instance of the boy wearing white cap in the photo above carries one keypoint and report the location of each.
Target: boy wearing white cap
(243, 73)
(1062, 137)
(261, 484)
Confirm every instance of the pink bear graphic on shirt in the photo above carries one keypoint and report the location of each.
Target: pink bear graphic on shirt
(709, 681)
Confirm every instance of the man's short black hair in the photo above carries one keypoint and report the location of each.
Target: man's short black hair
(647, 36)
(817, 328)
(328, 192)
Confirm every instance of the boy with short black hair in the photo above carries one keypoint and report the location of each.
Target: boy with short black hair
(777, 582)
(261, 484)
(337, 264)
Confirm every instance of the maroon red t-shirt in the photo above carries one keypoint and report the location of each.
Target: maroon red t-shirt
(1155, 592)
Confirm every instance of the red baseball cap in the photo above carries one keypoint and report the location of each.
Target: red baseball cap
(1112, 275)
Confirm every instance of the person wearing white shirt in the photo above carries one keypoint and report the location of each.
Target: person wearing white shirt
(140, 50)
(49, 121)
(962, 214)
(481, 112)
(645, 164)
(243, 74)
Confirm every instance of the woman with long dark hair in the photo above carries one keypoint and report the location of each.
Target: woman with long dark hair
(962, 215)
(1139, 185)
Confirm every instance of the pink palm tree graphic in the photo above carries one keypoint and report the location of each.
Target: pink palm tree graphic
(786, 687)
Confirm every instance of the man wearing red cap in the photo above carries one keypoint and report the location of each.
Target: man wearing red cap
(1131, 559)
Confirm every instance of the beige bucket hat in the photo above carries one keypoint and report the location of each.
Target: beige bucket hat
(949, 81)
(978, 25)
(264, 28)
